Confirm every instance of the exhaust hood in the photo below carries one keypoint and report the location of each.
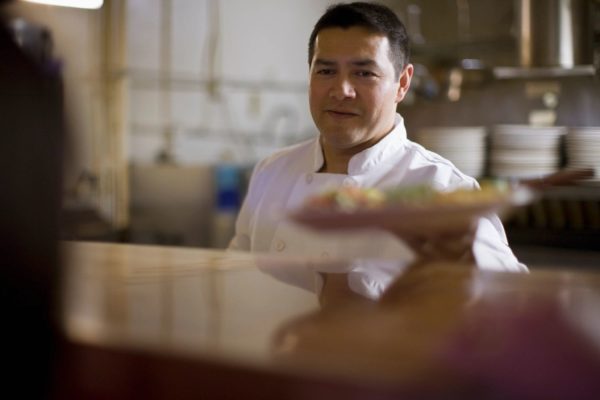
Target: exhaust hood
(554, 37)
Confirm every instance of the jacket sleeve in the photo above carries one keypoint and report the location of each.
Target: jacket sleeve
(241, 240)
(491, 249)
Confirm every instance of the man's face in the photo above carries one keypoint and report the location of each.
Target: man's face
(353, 91)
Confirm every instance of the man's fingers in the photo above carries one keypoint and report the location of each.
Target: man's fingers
(444, 247)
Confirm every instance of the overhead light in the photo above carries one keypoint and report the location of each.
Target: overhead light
(89, 4)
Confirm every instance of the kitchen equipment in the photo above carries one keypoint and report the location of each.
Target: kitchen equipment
(554, 33)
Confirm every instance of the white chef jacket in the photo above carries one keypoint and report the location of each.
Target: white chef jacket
(281, 182)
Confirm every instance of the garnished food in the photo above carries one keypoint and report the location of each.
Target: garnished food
(348, 199)
(352, 198)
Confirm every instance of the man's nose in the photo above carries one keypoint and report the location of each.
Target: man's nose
(342, 88)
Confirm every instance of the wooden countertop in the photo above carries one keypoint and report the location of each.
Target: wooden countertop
(176, 323)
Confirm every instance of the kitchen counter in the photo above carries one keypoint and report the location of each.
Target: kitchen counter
(162, 322)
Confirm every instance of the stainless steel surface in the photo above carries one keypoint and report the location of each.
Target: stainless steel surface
(542, 72)
(554, 33)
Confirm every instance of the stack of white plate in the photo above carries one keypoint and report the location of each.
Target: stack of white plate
(583, 149)
(463, 146)
(524, 151)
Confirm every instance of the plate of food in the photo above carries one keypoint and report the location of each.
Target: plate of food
(411, 210)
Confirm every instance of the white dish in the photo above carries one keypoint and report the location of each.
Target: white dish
(529, 130)
(507, 158)
(453, 131)
(467, 162)
(460, 146)
(412, 220)
(583, 149)
(588, 136)
(584, 161)
(585, 130)
(472, 172)
(464, 159)
(454, 137)
(521, 173)
(525, 142)
(525, 136)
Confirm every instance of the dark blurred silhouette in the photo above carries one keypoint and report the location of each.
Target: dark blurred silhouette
(31, 137)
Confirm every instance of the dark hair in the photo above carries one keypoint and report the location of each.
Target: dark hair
(374, 17)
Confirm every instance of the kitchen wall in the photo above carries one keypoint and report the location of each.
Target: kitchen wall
(210, 82)
(217, 80)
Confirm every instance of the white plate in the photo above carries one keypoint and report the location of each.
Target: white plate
(593, 137)
(467, 146)
(585, 130)
(525, 142)
(521, 173)
(412, 220)
(590, 150)
(435, 131)
(472, 172)
(584, 163)
(529, 130)
(457, 160)
(507, 158)
(462, 163)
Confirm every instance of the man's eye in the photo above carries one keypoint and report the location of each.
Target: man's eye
(325, 71)
(365, 74)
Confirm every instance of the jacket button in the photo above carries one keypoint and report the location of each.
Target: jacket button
(349, 182)
(280, 245)
(309, 178)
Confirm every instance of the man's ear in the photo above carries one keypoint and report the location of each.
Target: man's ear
(405, 78)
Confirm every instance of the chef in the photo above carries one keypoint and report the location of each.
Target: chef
(359, 71)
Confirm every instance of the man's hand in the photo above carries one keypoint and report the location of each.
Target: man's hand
(454, 244)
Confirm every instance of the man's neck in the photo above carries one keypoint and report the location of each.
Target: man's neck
(336, 161)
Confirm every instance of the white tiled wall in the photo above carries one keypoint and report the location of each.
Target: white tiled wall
(227, 80)
(238, 77)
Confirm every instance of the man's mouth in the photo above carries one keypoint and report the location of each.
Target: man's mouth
(341, 113)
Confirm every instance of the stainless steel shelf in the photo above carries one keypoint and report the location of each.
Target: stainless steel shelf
(542, 72)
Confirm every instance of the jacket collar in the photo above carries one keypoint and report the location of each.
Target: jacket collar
(370, 158)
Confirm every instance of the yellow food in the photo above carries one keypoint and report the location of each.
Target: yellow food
(348, 198)
(352, 198)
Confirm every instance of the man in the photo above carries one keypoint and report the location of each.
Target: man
(359, 72)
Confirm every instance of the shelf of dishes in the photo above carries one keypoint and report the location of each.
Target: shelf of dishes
(516, 151)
